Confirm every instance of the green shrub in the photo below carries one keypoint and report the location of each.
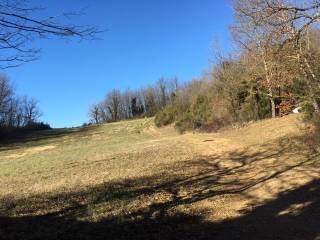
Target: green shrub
(191, 117)
(201, 112)
(255, 107)
(308, 110)
(198, 114)
(264, 107)
(165, 116)
(184, 122)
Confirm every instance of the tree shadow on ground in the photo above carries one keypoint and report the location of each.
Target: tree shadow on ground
(272, 220)
(292, 215)
(16, 138)
(148, 207)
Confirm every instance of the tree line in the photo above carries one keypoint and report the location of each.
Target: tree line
(145, 102)
(17, 112)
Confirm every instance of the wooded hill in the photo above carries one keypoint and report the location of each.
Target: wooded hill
(274, 69)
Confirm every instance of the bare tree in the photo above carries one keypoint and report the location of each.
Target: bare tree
(94, 113)
(253, 35)
(31, 110)
(104, 114)
(162, 92)
(6, 93)
(150, 101)
(112, 102)
(172, 89)
(20, 25)
(126, 97)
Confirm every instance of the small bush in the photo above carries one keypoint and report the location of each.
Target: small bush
(308, 110)
(184, 122)
(166, 116)
(254, 108)
(201, 111)
(191, 118)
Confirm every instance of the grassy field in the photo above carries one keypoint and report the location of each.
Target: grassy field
(131, 180)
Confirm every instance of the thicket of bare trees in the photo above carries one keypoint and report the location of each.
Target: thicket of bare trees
(129, 104)
(16, 111)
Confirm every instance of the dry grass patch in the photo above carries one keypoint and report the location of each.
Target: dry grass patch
(130, 180)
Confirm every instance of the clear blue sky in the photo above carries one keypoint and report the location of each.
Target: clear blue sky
(146, 39)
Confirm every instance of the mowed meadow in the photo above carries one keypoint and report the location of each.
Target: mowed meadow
(131, 180)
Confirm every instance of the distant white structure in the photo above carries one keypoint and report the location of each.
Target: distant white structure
(297, 110)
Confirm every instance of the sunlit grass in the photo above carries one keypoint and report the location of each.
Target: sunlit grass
(131, 172)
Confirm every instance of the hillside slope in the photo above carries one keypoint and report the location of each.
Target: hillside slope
(131, 180)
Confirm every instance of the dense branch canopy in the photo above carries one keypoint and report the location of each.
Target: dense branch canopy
(19, 26)
(282, 17)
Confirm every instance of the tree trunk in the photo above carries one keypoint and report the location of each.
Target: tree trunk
(273, 104)
(273, 107)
